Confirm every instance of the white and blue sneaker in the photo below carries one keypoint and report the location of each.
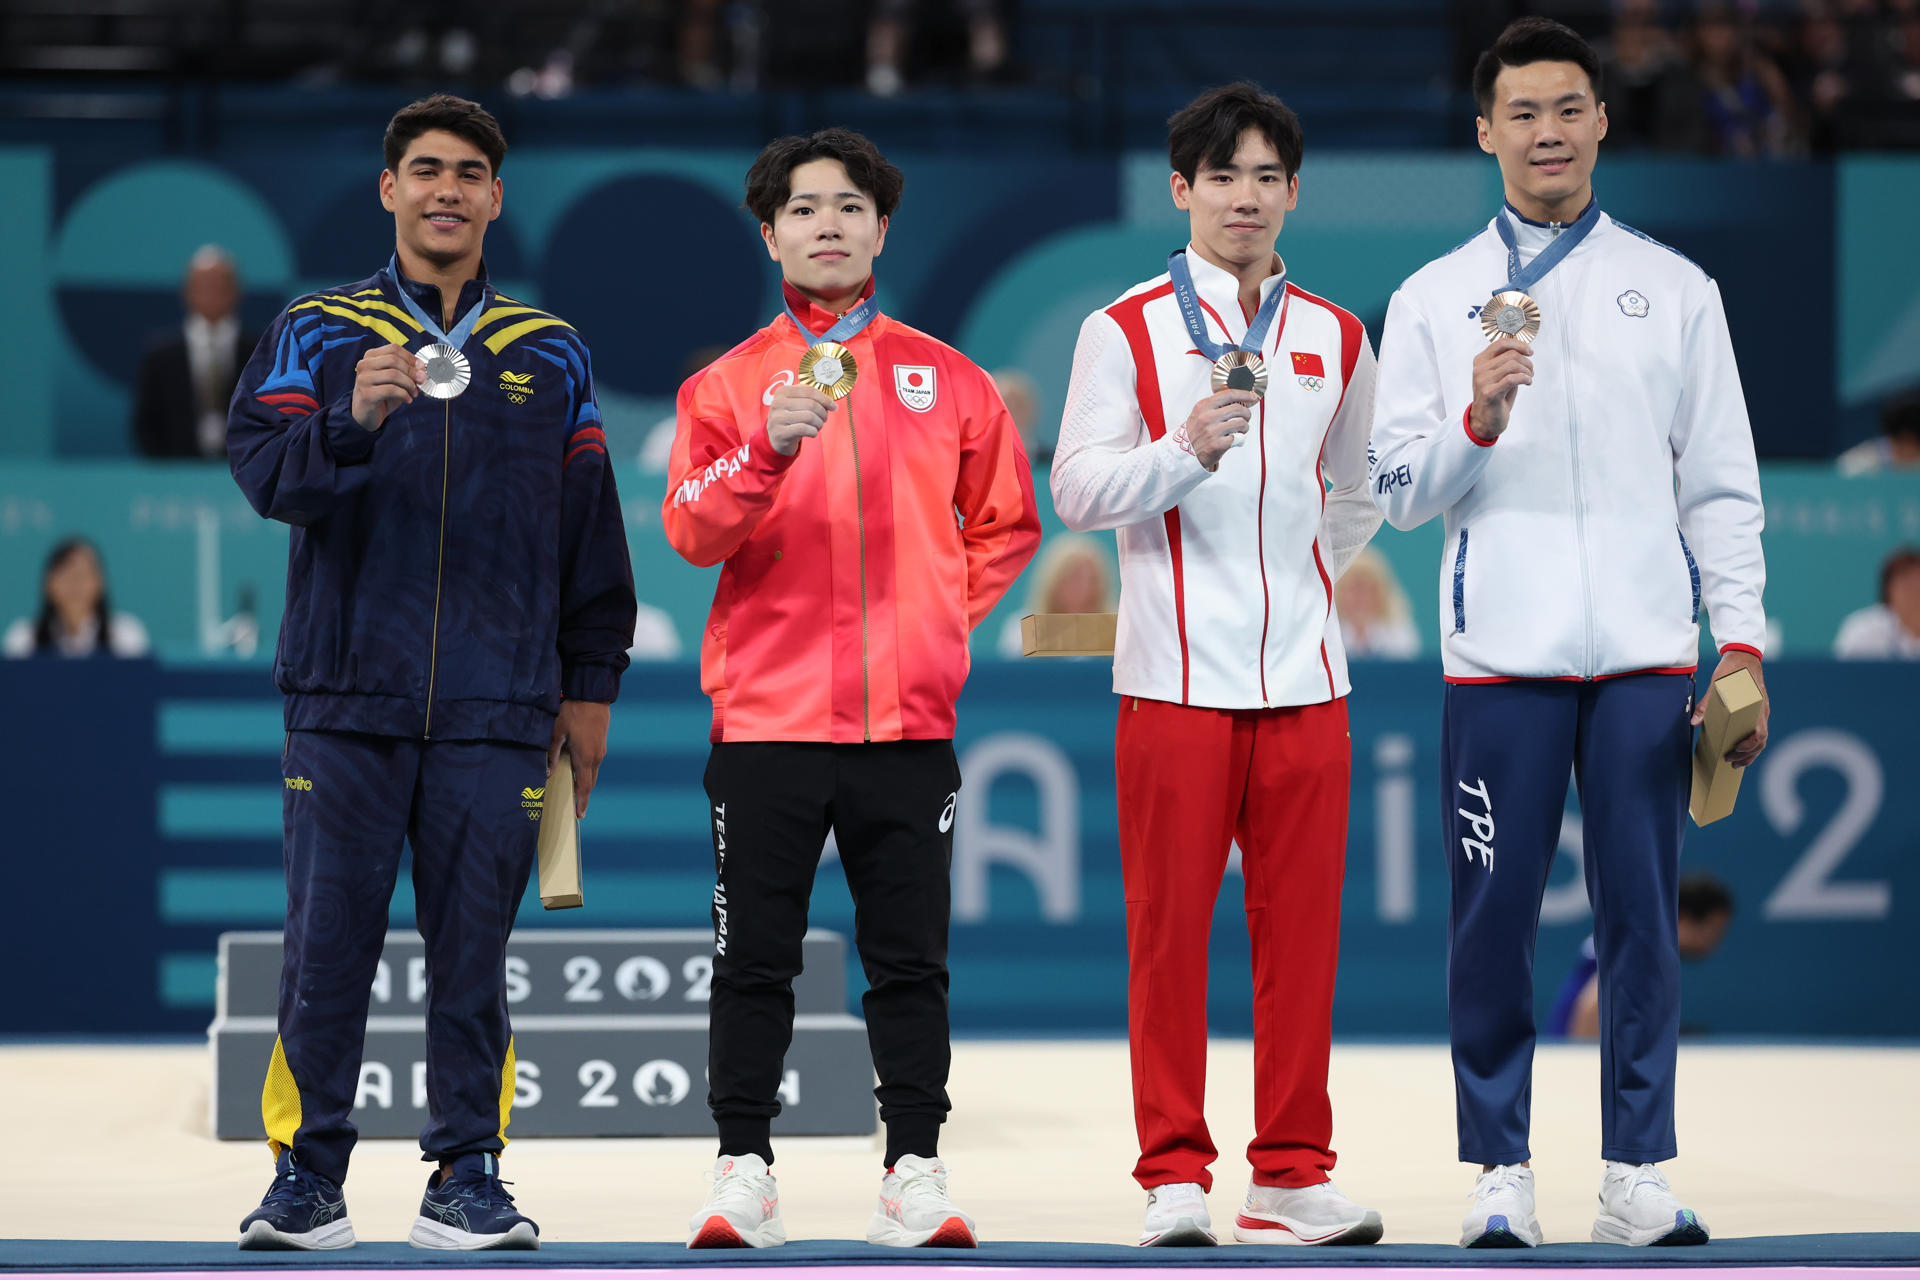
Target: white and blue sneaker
(1637, 1207)
(1502, 1215)
(469, 1208)
(1177, 1217)
(302, 1210)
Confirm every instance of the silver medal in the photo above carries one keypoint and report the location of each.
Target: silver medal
(448, 372)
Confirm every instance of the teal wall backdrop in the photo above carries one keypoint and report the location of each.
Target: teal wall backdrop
(181, 544)
(648, 254)
(150, 822)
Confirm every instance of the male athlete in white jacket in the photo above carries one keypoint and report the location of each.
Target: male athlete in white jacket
(1233, 714)
(1598, 483)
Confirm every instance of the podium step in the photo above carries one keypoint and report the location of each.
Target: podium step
(575, 1077)
(594, 972)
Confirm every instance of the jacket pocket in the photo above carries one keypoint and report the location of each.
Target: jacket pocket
(1460, 585)
(1693, 571)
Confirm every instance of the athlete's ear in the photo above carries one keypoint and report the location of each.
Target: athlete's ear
(1181, 188)
(499, 192)
(880, 241)
(1485, 133)
(1293, 193)
(1602, 111)
(386, 190)
(766, 233)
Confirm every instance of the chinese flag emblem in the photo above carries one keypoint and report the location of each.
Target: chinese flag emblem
(1307, 365)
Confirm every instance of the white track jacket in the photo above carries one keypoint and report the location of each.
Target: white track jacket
(1623, 494)
(1226, 577)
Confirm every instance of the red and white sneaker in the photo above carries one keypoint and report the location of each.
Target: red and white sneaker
(743, 1209)
(1304, 1215)
(914, 1209)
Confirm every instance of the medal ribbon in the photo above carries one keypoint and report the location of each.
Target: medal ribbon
(1548, 258)
(461, 330)
(1255, 341)
(846, 326)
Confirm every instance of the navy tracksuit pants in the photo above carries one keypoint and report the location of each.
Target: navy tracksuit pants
(350, 800)
(1506, 751)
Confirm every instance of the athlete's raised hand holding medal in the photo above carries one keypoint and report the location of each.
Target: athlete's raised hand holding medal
(384, 379)
(1512, 320)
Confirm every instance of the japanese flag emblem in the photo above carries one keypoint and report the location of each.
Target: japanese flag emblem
(915, 384)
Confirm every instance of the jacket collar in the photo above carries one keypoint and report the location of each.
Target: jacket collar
(1220, 291)
(817, 318)
(428, 296)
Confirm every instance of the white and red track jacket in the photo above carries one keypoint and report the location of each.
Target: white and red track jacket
(1226, 577)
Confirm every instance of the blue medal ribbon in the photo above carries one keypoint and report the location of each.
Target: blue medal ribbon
(461, 331)
(1256, 340)
(846, 326)
(1548, 258)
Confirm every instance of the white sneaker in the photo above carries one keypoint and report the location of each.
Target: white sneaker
(1502, 1214)
(1304, 1215)
(1638, 1207)
(1177, 1215)
(743, 1209)
(914, 1209)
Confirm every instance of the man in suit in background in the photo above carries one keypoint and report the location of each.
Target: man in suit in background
(187, 375)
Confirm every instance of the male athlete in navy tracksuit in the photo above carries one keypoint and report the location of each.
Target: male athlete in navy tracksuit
(459, 605)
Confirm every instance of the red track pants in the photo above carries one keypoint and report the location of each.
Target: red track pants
(1192, 780)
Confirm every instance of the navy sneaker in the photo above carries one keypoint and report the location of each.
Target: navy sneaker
(470, 1209)
(302, 1210)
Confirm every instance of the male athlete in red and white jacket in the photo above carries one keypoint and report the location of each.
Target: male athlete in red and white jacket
(1233, 682)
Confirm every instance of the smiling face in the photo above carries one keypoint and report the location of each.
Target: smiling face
(442, 196)
(1544, 127)
(1235, 211)
(827, 233)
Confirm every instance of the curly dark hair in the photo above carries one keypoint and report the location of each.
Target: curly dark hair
(459, 117)
(768, 181)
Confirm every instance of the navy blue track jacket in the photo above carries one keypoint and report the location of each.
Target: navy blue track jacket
(457, 572)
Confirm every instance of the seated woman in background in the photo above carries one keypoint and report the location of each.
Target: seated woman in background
(1375, 621)
(75, 620)
(1072, 575)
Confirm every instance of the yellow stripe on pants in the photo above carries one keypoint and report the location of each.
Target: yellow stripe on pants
(506, 1094)
(280, 1100)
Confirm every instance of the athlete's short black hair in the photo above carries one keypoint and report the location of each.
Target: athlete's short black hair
(769, 180)
(457, 116)
(1204, 133)
(1703, 896)
(1530, 40)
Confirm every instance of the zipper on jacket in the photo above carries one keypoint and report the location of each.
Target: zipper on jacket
(1579, 491)
(1260, 542)
(439, 564)
(860, 523)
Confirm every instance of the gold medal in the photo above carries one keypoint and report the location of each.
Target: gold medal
(1510, 314)
(447, 371)
(829, 367)
(1240, 371)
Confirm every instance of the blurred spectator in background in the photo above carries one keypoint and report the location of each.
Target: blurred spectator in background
(1375, 621)
(654, 639)
(1022, 399)
(1652, 96)
(890, 38)
(75, 620)
(1748, 105)
(187, 374)
(1071, 576)
(1890, 629)
(1706, 909)
(656, 452)
(1896, 448)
